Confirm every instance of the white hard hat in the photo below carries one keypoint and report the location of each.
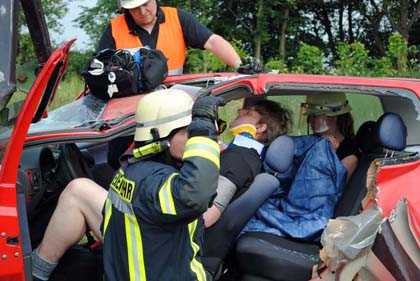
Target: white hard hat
(131, 4)
(162, 111)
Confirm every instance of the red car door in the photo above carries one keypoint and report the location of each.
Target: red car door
(15, 246)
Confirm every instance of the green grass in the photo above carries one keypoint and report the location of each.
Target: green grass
(67, 91)
(69, 88)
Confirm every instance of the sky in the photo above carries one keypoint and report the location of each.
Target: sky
(69, 28)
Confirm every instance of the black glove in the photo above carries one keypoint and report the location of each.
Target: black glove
(204, 117)
(250, 65)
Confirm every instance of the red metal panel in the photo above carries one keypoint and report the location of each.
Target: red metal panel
(117, 108)
(264, 79)
(408, 84)
(11, 262)
(259, 82)
(400, 181)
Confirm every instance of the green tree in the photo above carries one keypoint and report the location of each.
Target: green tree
(353, 59)
(282, 21)
(199, 61)
(54, 10)
(382, 67)
(201, 9)
(271, 27)
(310, 59)
(351, 35)
(276, 65)
(402, 15)
(94, 20)
(398, 52)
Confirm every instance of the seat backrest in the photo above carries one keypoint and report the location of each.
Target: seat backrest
(355, 190)
(279, 155)
(389, 133)
(366, 138)
(392, 132)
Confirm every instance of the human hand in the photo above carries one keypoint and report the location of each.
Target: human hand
(204, 117)
(207, 107)
(334, 142)
(250, 65)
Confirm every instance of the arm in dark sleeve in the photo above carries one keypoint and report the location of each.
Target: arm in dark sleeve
(240, 165)
(195, 34)
(187, 194)
(106, 41)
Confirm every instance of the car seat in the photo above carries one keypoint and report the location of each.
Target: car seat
(376, 140)
(263, 256)
(218, 238)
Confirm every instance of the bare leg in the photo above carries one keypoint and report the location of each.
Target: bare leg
(80, 206)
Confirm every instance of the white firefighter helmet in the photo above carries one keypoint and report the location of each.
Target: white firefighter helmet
(161, 112)
(131, 4)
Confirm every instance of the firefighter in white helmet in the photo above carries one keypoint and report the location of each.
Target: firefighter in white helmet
(150, 221)
(151, 227)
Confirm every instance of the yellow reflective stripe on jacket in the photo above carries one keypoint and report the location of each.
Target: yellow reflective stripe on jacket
(196, 266)
(136, 268)
(166, 200)
(204, 148)
(108, 214)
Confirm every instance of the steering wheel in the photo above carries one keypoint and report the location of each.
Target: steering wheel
(75, 162)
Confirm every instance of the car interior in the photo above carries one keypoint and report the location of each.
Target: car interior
(289, 259)
(46, 169)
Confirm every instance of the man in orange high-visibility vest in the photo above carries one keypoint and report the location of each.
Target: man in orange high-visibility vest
(171, 30)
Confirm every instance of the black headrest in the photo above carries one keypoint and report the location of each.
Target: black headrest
(366, 137)
(392, 132)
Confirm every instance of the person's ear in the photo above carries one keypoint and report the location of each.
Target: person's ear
(261, 128)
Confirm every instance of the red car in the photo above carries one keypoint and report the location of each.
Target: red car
(42, 152)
